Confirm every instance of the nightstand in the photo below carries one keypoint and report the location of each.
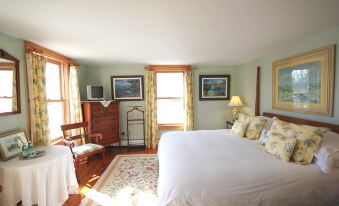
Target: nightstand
(229, 123)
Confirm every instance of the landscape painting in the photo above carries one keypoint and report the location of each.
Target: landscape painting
(9, 146)
(214, 87)
(304, 83)
(127, 87)
(300, 84)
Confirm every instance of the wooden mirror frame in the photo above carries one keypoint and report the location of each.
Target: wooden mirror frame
(5, 55)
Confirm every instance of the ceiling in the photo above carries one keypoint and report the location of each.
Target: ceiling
(209, 32)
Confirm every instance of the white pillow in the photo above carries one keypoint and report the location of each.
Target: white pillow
(264, 136)
(327, 157)
(268, 123)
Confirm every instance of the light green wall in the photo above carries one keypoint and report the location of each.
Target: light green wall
(208, 114)
(15, 47)
(247, 75)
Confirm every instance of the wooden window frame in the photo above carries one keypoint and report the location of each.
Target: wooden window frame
(62, 95)
(171, 69)
(65, 63)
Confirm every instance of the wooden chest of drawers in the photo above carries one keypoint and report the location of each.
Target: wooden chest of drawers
(104, 120)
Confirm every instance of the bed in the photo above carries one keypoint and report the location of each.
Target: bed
(215, 167)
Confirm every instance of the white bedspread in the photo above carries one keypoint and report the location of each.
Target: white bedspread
(217, 168)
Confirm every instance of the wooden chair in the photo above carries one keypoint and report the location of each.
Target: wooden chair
(90, 148)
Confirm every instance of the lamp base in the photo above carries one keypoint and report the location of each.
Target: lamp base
(235, 113)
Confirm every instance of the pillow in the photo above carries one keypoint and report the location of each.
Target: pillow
(281, 146)
(308, 139)
(327, 157)
(244, 117)
(239, 128)
(268, 123)
(254, 128)
(264, 136)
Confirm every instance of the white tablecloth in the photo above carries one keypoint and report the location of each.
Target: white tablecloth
(46, 180)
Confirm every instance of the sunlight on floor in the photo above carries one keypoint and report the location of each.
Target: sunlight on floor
(123, 198)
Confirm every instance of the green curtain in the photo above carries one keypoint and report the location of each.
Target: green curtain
(151, 110)
(36, 71)
(188, 101)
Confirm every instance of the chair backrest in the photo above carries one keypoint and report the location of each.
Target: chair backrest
(66, 127)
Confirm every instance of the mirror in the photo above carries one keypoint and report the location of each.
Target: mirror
(9, 84)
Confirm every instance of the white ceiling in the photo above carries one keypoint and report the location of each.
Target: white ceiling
(216, 32)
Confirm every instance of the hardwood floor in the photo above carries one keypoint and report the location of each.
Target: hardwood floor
(91, 171)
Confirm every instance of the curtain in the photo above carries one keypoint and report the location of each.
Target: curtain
(151, 110)
(188, 101)
(14, 96)
(74, 99)
(36, 72)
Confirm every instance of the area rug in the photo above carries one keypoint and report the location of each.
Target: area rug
(129, 180)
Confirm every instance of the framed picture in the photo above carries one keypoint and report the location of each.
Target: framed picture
(305, 82)
(127, 87)
(214, 87)
(9, 146)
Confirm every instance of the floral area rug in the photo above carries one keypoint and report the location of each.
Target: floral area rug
(130, 180)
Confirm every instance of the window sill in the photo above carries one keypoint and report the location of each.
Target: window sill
(170, 127)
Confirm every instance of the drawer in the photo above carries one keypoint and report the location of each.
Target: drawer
(104, 120)
(99, 109)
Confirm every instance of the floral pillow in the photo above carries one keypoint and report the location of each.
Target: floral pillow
(245, 118)
(254, 128)
(239, 128)
(281, 146)
(308, 139)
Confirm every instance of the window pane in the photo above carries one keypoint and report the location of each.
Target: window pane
(170, 84)
(53, 81)
(5, 105)
(170, 111)
(6, 83)
(56, 118)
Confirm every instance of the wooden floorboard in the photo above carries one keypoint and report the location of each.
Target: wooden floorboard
(90, 172)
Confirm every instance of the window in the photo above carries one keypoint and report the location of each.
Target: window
(55, 98)
(6, 91)
(170, 105)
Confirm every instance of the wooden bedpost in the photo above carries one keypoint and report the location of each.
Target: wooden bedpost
(257, 93)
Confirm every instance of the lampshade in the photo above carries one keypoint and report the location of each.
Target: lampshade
(235, 102)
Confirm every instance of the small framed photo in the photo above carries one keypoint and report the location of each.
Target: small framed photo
(127, 88)
(214, 87)
(9, 146)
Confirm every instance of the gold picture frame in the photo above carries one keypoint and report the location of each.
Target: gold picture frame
(305, 82)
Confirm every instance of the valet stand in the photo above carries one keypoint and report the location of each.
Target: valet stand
(136, 121)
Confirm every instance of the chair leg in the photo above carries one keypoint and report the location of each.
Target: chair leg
(76, 166)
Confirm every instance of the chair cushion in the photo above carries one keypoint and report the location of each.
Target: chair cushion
(83, 149)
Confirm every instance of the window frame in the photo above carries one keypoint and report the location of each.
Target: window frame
(171, 126)
(62, 95)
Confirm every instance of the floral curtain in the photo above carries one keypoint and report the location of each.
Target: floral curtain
(188, 101)
(151, 110)
(74, 98)
(36, 72)
(14, 97)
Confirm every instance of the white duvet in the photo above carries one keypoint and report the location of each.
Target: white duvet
(215, 167)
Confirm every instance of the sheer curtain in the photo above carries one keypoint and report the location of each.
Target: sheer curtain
(74, 99)
(188, 101)
(14, 95)
(151, 110)
(36, 72)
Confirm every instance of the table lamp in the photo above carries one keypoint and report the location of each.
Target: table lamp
(235, 102)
